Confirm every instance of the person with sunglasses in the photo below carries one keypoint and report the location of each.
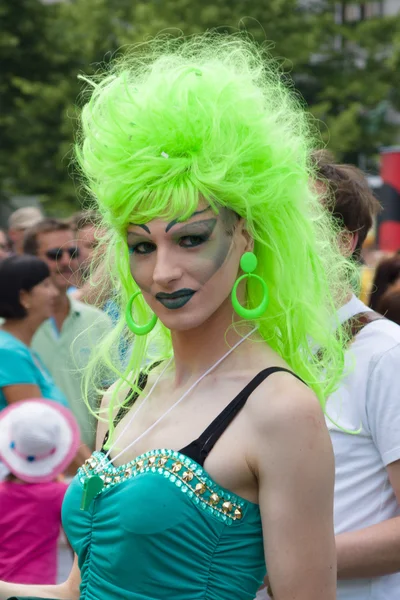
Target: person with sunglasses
(64, 341)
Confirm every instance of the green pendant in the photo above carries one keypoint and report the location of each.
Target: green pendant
(91, 488)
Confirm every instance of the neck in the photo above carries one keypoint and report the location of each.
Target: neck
(198, 349)
(22, 329)
(342, 297)
(61, 309)
(61, 302)
(348, 297)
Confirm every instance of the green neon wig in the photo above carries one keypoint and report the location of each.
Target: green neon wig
(210, 117)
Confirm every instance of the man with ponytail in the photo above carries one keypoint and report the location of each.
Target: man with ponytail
(364, 412)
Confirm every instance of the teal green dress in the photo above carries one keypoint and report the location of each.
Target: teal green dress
(162, 529)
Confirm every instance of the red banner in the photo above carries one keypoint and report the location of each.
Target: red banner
(389, 220)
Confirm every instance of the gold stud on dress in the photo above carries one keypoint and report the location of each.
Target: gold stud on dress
(227, 507)
(176, 467)
(187, 476)
(200, 488)
(214, 499)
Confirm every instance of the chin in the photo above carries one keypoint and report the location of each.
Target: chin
(183, 322)
(63, 285)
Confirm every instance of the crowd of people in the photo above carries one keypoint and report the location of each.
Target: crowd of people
(46, 336)
(224, 260)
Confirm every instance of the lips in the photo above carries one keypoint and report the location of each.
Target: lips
(175, 300)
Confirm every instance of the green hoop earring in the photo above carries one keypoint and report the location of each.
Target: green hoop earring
(134, 327)
(248, 264)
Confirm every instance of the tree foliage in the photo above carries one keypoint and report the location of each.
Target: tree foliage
(347, 73)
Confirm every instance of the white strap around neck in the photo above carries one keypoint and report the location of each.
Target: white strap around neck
(133, 417)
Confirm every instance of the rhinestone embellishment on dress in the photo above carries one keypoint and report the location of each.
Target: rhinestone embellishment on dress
(180, 470)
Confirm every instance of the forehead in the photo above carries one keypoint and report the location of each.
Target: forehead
(202, 212)
(54, 239)
(87, 233)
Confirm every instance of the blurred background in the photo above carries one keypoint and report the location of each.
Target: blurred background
(344, 58)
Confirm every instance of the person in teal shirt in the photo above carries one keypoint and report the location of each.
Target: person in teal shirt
(26, 301)
(19, 364)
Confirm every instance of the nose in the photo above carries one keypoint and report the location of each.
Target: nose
(64, 260)
(166, 270)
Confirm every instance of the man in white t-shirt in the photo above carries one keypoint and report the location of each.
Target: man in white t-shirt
(367, 488)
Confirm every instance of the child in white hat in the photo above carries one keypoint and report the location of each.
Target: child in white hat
(38, 440)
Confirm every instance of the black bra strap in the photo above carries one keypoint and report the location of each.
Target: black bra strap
(202, 446)
(133, 396)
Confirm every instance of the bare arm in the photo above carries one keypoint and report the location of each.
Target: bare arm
(64, 591)
(21, 391)
(294, 464)
(375, 550)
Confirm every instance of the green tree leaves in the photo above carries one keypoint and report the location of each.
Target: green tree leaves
(347, 73)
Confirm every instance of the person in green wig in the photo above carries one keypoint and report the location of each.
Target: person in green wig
(213, 462)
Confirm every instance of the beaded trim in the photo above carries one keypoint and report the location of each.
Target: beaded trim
(179, 469)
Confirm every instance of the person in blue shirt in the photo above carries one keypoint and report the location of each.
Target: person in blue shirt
(26, 301)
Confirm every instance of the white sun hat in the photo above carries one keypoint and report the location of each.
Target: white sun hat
(38, 439)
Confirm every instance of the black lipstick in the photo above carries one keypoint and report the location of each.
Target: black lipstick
(175, 299)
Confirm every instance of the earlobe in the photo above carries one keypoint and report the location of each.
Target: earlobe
(250, 245)
(24, 300)
(353, 242)
(248, 238)
(348, 243)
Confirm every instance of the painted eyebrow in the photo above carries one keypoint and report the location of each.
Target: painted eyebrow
(175, 221)
(171, 224)
(142, 226)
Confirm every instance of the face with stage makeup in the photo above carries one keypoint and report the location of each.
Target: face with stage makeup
(186, 270)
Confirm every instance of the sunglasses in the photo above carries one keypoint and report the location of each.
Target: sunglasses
(56, 253)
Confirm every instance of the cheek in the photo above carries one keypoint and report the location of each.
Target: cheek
(43, 301)
(141, 270)
(211, 260)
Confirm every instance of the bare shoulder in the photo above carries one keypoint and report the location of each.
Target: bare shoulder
(285, 414)
(280, 401)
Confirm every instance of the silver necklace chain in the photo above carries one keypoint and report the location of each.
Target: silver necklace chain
(130, 421)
